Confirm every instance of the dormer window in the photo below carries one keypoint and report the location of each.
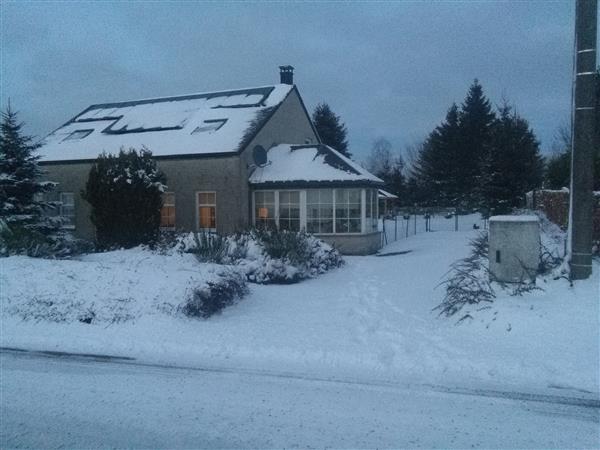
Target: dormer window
(78, 134)
(209, 125)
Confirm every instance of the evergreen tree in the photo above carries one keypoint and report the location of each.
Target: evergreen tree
(21, 209)
(476, 120)
(125, 192)
(330, 128)
(437, 170)
(513, 165)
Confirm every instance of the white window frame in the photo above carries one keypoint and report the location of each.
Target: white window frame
(198, 205)
(174, 205)
(70, 226)
(364, 227)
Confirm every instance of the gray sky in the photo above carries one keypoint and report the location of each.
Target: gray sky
(388, 69)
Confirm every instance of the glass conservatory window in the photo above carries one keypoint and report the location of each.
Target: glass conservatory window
(347, 211)
(264, 203)
(319, 211)
(289, 210)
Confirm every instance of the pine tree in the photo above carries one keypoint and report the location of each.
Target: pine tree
(21, 209)
(513, 165)
(437, 170)
(330, 128)
(476, 119)
(125, 192)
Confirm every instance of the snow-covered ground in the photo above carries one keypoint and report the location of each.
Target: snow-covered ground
(370, 319)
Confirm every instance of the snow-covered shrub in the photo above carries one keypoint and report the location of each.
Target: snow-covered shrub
(267, 256)
(125, 192)
(215, 295)
(468, 280)
(210, 247)
(19, 240)
(285, 256)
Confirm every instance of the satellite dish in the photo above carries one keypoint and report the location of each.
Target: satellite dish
(259, 154)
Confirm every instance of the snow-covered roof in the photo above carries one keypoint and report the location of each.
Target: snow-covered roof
(289, 163)
(386, 195)
(212, 122)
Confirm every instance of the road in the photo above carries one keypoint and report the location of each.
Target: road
(50, 401)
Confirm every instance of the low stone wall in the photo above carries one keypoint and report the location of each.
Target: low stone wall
(354, 244)
(555, 204)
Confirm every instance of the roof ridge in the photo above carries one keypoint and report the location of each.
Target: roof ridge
(183, 97)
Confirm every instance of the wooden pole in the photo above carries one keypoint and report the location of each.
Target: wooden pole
(584, 114)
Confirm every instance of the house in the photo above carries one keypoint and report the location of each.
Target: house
(233, 159)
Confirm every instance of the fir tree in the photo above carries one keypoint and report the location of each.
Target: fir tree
(21, 208)
(476, 120)
(125, 192)
(513, 165)
(437, 169)
(330, 128)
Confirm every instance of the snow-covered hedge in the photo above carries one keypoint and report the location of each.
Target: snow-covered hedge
(267, 256)
(214, 296)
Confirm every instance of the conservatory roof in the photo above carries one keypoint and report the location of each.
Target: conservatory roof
(318, 163)
(386, 195)
(206, 123)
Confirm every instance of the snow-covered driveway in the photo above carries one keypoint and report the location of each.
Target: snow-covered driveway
(369, 320)
(74, 403)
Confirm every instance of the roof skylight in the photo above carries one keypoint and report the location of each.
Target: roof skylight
(78, 134)
(209, 125)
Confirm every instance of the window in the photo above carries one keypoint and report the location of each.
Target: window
(347, 211)
(78, 134)
(167, 212)
(67, 209)
(207, 211)
(319, 211)
(264, 209)
(209, 125)
(289, 210)
(371, 210)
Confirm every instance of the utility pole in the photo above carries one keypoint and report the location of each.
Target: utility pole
(581, 204)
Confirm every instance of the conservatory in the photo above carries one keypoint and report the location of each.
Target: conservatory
(315, 188)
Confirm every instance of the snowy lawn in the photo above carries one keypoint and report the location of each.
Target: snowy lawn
(370, 319)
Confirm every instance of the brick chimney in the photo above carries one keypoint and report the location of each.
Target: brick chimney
(287, 74)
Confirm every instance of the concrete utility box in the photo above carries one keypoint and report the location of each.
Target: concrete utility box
(514, 248)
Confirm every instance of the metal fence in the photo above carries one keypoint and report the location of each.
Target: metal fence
(404, 225)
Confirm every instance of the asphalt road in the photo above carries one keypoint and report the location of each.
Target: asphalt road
(54, 400)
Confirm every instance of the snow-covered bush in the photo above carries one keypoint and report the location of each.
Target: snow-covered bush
(213, 297)
(210, 247)
(268, 256)
(125, 192)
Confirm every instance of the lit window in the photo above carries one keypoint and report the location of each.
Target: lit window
(264, 202)
(78, 134)
(289, 210)
(209, 125)
(167, 212)
(67, 209)
(319, 211)
(207, 211)
(347, 211)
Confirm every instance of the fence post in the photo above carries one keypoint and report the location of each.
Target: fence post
(395, 227)
(456, 219)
